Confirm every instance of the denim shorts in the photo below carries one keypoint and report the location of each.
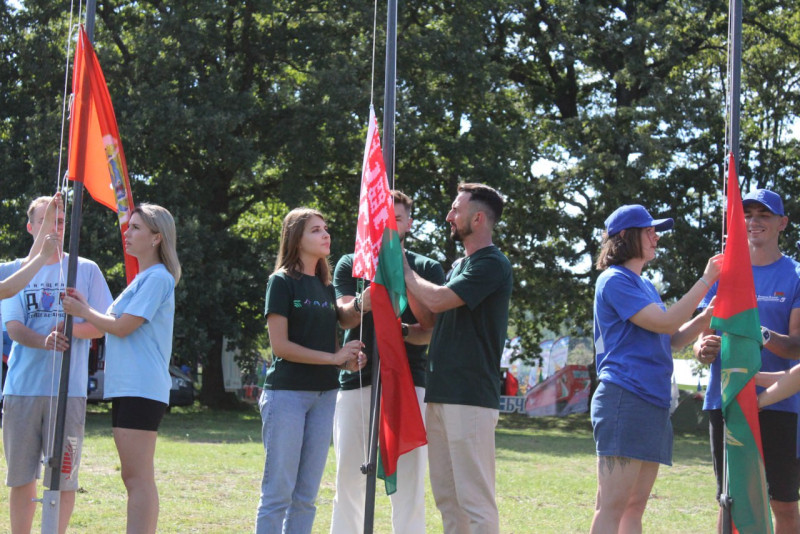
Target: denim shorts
(626, 425)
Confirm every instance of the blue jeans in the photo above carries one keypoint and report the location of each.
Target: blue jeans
(296, 431)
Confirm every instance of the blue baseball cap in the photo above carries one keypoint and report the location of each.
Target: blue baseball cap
(634, 216)
(771, 201)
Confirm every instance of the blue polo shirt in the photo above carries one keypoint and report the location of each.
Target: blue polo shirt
(778, 293)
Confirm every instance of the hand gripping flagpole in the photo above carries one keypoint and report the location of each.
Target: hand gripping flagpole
(51, 499)
(389, 96)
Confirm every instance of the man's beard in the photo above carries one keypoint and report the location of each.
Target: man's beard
(457, 235)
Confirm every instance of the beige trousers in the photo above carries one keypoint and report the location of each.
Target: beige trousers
(461, 458)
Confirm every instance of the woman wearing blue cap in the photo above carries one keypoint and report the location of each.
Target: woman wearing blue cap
(633, 333)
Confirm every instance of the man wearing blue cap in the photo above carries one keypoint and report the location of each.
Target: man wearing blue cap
(778, 295)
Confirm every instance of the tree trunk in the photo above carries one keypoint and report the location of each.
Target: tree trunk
(212, 392)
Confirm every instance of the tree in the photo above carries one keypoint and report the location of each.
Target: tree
(228, 113)
(574, 108)
(232, 113)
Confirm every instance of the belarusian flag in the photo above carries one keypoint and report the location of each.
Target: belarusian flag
(379, 257)
(736, 316)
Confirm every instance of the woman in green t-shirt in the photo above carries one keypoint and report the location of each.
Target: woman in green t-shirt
(299, 395)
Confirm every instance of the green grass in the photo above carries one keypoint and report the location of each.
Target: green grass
(209, 474)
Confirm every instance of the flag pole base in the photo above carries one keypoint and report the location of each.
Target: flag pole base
(725, 502)
(51, 502)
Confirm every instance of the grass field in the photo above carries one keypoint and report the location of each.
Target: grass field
(209, 474)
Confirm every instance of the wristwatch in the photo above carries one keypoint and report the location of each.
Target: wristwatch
(765, 335)
(404, 328)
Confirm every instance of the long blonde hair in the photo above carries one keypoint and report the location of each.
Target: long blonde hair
(294, 224)
(160, 221)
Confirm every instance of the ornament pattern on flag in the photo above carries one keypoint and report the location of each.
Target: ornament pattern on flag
(374, 208)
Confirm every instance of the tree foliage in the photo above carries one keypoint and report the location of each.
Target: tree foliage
(233, 112)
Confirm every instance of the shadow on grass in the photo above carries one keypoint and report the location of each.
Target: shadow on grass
(556, 436)
(566, 436)
(193, 423)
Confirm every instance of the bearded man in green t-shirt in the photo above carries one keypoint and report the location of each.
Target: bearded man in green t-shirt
(463, 374)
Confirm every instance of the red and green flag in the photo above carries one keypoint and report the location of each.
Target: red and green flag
(379, 258)
(736, 317)
(95, 150)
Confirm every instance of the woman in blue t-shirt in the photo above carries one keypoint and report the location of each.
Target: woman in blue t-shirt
(634, 333)
(299, 395)
(138, 328)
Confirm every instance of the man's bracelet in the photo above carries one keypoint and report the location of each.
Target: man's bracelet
(357, 303)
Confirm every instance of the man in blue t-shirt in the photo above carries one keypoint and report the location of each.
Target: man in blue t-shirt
(778, 294)
(15, 274)
(32, 319)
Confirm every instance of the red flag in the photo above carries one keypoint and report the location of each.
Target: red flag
(95, 150)
(375, 208)
(379, 257)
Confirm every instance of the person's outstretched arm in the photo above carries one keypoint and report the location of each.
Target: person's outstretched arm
(17, 281)
(785, 387)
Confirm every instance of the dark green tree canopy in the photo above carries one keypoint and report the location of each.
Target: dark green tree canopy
(231, 113)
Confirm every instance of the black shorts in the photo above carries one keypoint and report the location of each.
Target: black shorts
(136, 413)
(779, 440)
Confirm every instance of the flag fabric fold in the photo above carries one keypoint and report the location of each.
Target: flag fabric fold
(379, 258)
(96, 157)
(736, 317)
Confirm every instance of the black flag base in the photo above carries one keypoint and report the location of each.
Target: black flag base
(51, 502)
(725, 502)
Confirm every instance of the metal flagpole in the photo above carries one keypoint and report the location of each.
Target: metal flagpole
(735, 69)
(389, 96)
(733, 133)
(370, 469)
(390, 90)
(51, 499)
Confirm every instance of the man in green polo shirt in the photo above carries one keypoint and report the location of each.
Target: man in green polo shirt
(463, 374)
